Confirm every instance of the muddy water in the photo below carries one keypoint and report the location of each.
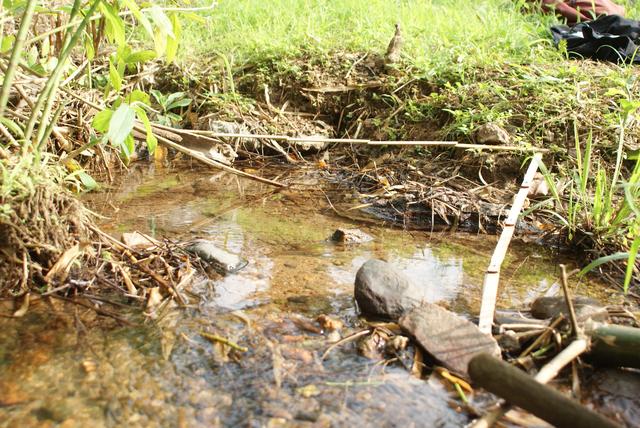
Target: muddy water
(65, 367)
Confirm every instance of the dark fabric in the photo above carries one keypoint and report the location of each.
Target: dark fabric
(608, 38)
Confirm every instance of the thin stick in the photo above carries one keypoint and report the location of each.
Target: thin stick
(492, 276)
(567, 297)
(208, 161)
(349, 338)
(543, 336)
(412, 143)
(224, 341)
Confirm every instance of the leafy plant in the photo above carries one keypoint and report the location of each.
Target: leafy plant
(167, 103)
(599, 206)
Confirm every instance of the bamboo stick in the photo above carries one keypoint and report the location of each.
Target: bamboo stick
(352, 140)
(492, 275)
(546, 374)
(413, 143)
(232, 134)
(506, 381)
(196, 155)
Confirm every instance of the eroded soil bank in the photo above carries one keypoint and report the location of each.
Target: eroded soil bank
(68, 367)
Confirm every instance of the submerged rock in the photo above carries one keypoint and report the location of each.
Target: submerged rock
(350, 236)
(382, 291)
(585, 307)
(221, 260)
(449, 338)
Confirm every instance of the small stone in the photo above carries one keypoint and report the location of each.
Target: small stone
(221, 260)
(350, 236)
(449, 338)
(552, 306)
(490, 133)
(382, 291)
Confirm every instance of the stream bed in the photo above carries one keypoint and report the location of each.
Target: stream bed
(62, 366)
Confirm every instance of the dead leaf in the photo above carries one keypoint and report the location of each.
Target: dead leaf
(23, 308)
(61, 268)
(139, 241)
(155, 298)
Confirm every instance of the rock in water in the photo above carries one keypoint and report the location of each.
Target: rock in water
(382, 291)
(221, 260)
(449, 338)
(552, 306)
(350, 236)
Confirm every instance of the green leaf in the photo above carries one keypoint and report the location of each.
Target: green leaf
(114, 28)
(194, 17)
(89, 48)
(140, 56)
(152, 141)
(615, 91)
(7, 43)
(121, 125)
(180, 103)
(129, 145)
(164, 32)
(33, 56)
(602, 260)
(137, 13)
(172, 42)
(138, 96)
(87, 181)
(631, 262)
(45, 47)
(162, 22)
(101, 120)
(114, 77)
(159, 97)
(12, 126)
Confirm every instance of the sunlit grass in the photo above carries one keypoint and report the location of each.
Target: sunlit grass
(440, 35)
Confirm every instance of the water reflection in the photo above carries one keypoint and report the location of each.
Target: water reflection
(440, 278)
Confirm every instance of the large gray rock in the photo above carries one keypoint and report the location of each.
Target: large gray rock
(448, 337)
(382, 291)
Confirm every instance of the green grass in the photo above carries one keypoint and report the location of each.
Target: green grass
(440, 36)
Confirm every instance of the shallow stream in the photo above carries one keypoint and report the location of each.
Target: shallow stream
(70, 368)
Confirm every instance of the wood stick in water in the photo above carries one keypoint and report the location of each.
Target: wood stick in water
(492, 275)
(202, 158)
(522, 390)
(224, 341)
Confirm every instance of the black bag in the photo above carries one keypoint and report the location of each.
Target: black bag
(608, 38)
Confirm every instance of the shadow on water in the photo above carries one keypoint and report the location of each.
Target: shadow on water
(66, 367)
